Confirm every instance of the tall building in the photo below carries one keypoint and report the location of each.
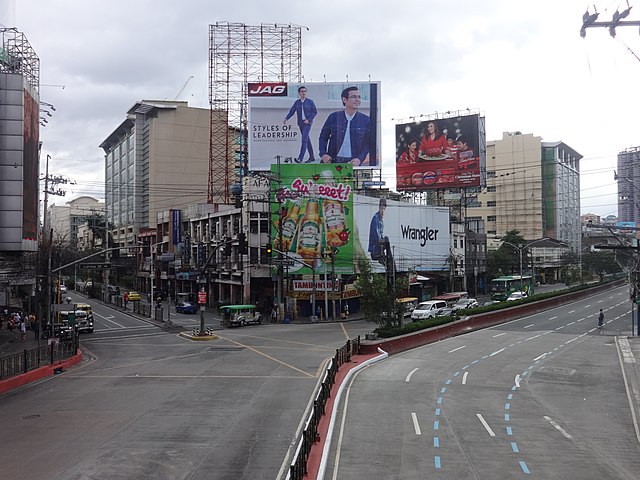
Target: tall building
(629, 185)
(533, 187)
(19, 166)
(156, 160)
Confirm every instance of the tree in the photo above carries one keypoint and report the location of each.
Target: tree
(377, 296)
(506, 259)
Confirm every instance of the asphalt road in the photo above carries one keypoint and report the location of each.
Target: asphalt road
(539, 397)
(147, 403)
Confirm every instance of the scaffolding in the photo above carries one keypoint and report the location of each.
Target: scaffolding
(239, 54)
(17, 56)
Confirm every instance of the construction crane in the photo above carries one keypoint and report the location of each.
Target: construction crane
(177, 95)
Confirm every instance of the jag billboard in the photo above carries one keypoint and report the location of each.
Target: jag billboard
(418, 234)
(307, 123)
(441, 153)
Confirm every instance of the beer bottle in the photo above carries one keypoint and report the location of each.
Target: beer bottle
(290, 225)
(309, 236)
(335, 222)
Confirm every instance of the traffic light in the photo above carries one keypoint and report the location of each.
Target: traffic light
(243, 247)
(269, 249)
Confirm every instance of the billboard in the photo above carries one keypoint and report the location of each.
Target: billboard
(442, 153)
(312, 218)
(306, 123)
(30, 159)
(418, 234)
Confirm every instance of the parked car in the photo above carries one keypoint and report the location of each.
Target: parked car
(113, 290)
(446, 312)
(516, 296)
(133, 296)
(63, 288)
(490, 302)
(465, 303)
(428, 309)
(187, 307)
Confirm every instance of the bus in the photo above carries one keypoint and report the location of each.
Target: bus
(502, 287)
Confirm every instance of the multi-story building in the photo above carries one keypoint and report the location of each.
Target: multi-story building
(156, 160)
(532, 187)
(628, 178)
(19, 168)
(66, 220)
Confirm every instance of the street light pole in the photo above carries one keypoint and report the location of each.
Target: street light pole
(520, 249)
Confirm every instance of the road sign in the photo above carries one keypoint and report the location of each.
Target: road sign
(373, 183)
(202, 298)
(96, 266)
(283, 261)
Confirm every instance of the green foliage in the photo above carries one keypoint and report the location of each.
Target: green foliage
(388, 331)
(377, 299)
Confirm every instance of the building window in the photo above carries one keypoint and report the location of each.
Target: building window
(491, 174)
(491, 232)
(491, 203)
(455, 243)
(491, 218)
(491, 189)
(461, 243)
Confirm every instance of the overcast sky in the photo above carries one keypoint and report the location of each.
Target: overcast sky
(522, 64)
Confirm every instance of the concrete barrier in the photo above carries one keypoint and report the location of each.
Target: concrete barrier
(476, 322)
(39, 373)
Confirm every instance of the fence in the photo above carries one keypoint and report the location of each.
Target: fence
(27, 360)
(298, 468)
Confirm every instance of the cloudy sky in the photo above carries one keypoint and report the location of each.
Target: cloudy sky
(522, 64)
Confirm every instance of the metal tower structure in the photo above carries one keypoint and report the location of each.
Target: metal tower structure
(17, 56)
(239, 54)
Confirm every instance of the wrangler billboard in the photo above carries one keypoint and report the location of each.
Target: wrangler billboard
(314, 123)
(418, 235)
(441, 153)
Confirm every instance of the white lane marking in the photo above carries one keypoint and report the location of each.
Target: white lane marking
(531, 338)
(411, 373)
(570, 323)
(485, 425)
(560, 327)
(625, 350)
(115, 323)
(553, 318)
(497, 352)
(500, 334)
(558, 427)
(517, 381)
(572, 311)
(464, 378)
(587, 306)
(529, 326)
(541, 356)
(456, 349)
(416, 425)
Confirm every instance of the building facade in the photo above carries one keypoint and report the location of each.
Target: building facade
(66, 220)
(628, 177)
(157, 159)
(19, 168)
(532, 187)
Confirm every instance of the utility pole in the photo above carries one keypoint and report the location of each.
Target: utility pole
(590, 21)
(47, 237)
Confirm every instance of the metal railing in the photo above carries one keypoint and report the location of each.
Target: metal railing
(27, 360)
(310, 435)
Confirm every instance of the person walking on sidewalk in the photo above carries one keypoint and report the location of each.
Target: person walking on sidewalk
(23, 330)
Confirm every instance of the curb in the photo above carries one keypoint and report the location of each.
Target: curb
(39, 373)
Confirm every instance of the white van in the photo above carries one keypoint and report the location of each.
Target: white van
(428, 309)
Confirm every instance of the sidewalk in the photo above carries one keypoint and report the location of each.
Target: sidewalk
(10, 341)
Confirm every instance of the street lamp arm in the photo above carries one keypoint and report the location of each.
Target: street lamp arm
(91, 256)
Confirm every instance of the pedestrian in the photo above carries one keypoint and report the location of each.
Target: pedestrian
(36, 327)
(601, 319)
(274, 314)
(23, 330)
